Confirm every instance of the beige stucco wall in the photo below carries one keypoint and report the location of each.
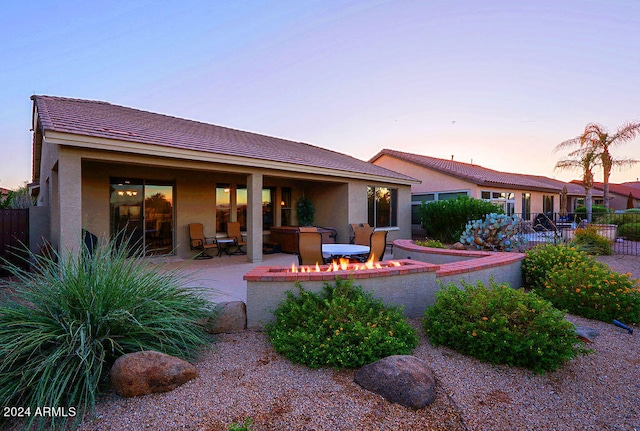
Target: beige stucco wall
(337, 203)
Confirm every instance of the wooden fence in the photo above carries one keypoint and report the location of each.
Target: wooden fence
(14, 237)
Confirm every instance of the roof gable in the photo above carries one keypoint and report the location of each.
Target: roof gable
(103, 120)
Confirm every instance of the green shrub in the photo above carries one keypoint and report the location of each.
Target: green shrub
(620, 218)
(630, 231)
(501, 325)
(598, 212)
(545, 258)
(445, 220)
(432, 243)
(593, 291)
(69, 321)
(588, 240)
(341, 327)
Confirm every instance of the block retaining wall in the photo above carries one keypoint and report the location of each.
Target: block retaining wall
(412, 285)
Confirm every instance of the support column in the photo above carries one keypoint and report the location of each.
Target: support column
(254, 218)
(69, 202)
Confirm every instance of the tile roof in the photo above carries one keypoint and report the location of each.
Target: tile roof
(621, 189)
(105, 120)
(484, 176)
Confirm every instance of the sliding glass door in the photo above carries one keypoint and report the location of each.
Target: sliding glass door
(142, 212)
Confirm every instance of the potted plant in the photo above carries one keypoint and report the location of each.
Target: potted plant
(306, 212)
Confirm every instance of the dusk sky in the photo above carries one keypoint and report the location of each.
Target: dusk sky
(496, 83)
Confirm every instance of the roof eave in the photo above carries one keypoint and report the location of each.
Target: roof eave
(111, 145)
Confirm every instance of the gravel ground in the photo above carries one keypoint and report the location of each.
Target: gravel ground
(243, 377)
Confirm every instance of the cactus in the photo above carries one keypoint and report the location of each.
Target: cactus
(495, 232)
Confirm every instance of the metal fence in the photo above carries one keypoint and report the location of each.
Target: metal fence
(621, 229)
(14, 237)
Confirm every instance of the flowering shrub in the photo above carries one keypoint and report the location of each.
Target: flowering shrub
(588, 240)
(501, 325)
(545, 258)
(433, 243)
(576, 282)
(594, 291)
(341, 327)
(495, 232)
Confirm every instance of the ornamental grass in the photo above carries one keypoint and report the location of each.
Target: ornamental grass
(74, 314)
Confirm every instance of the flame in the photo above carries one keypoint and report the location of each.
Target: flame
(344, 264)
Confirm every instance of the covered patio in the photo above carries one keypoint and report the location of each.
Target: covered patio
(105, 169)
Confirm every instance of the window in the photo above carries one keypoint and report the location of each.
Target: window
(382, 206)
(285, 207)
(416, 200)
(505, 200)
(143, 210)
(547, 204)
(223, 206)
(450, 195)
(268, 198)
(526, 206)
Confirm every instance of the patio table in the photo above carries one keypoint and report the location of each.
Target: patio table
(224, 246)
(343, 250)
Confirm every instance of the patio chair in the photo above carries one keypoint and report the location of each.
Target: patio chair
(233, 232)
(198, 241)
(310, 248)
(377, 245)
(362, 235)
(352, 235)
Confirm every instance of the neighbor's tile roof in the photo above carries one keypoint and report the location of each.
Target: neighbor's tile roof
(104, 120)
(621, 189)
(483, 176)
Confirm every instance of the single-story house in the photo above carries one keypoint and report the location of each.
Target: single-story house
(618, 195)
(520, 194)
(106, 168)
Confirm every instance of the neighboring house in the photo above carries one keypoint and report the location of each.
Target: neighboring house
(107, 168)
(520, 194)
(619, 194)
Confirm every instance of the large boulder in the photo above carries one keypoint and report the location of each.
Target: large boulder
(401, 379)
(147, 372)
(230, 317)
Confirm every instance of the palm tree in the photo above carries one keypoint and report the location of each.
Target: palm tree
(586, 161)
(597, 139)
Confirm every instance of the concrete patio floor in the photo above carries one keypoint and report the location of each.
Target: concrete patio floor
(221, 277)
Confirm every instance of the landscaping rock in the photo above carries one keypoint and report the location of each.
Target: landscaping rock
(230, 317)
(459, 246)
(147, 372)
(406, 380)
(586, 334)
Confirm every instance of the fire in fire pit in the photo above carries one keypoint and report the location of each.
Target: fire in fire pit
(343, 265)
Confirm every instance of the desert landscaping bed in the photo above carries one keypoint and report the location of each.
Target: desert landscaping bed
(242, 377)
